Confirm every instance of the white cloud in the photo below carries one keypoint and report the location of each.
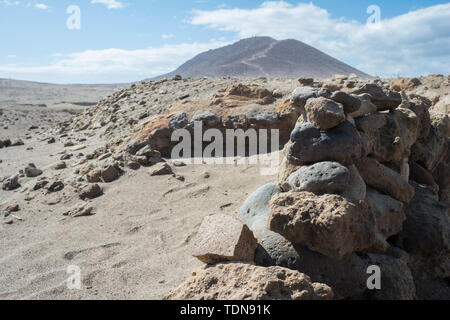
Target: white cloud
(9, 3)
(110, 65)
(414, 43)
(41, 6)
(167, 36)
(110, 4)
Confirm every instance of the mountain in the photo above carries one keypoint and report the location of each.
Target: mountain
(264, 56)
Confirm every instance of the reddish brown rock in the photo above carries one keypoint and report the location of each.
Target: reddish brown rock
(91, 191)
(385, 180)
(328, 224)
(237, 281)
(110, 174)
(324, 113)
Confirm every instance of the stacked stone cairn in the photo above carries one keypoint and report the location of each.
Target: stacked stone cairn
(364, 181)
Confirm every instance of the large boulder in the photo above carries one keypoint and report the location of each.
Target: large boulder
(385, 179)
(366, 108)
(426, 229)
(420, 108)
(397, 282)
(324, 113)
(328, 224)
(383, 98)
(433, 289)
(390, 135)
(237, 281)
(388, 213)
(319, 178)
(429, 152)
(224, 238)
(351, 103)
(309, 145)
(300, 95)
(421, 175)
(356, 190)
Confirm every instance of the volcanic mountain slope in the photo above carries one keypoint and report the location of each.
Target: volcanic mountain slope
(264, 57)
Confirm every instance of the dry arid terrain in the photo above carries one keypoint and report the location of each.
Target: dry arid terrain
(87, 181)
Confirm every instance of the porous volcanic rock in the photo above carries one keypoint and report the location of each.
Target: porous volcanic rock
(319, 178)
(324, 113)
(390, 135)
(347, 277)
(237, 281)
(309, 145)
(328, 224)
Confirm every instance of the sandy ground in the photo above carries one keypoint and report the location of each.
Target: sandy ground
(137, 245)
(16, 93)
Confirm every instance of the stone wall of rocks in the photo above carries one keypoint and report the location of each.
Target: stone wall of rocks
(364, 181)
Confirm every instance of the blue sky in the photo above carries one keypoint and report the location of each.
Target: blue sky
(121, 41)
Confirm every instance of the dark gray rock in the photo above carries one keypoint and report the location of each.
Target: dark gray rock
(320, 178)
(397, 282)
(266, 118)
(31, 171)
(383, 98)
(133, 147)
(208, 118)
(429, 152)
(309, 145)
(178, 121)
(56, 187)
(148, 152)
(426, 229)
(351, 103)
(16, 143)
(433, 289)
(40, 184)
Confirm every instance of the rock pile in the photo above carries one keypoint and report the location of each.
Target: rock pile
(363, 182)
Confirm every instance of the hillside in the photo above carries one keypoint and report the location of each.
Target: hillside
(264, 56)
